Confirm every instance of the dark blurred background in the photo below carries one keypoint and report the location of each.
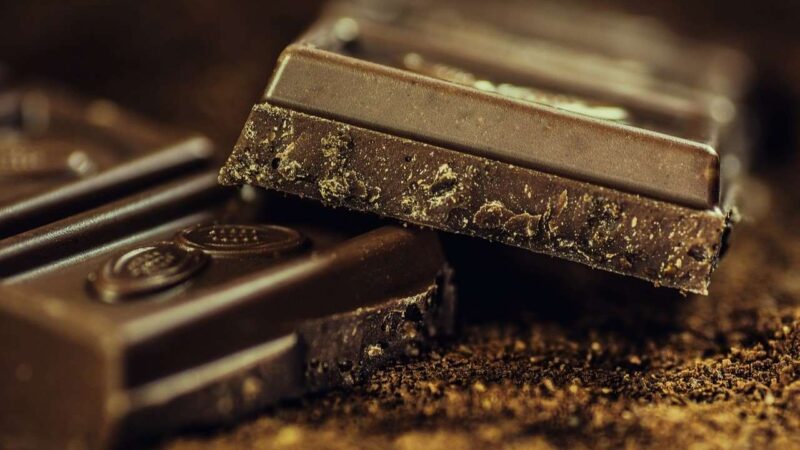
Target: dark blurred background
(202, 63)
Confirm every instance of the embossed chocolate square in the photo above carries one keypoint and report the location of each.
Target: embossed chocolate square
(193, 305)
(474, 129)
(60, 154)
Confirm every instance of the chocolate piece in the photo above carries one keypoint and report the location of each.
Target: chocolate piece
(189, 305)
(641, 45)
(412, 124)
(60, 155)
(485, 124)
(675, 84)
(670, 84)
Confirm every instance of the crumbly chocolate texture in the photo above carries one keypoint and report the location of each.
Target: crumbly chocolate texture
(341, 351)
(348, 166)
(346, 349)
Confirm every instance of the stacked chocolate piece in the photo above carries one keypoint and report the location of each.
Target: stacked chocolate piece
(511, 132)
(139, 296)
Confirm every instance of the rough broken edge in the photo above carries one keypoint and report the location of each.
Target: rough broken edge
(346, 349)
(335, 352)
(221, 391)
(353, 167)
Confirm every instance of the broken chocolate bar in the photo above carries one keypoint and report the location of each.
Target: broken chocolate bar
(190, 305)
(454, 129)
(60, 155)
(614, 41)
(672, 84)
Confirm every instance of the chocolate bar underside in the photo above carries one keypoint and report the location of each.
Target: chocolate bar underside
(346, 165)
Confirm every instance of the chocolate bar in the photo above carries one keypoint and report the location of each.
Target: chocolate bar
(192, 305)
(60, 155)
(596, 53)
(455, 131)
(611, 38)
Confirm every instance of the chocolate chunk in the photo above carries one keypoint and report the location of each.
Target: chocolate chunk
(471, 129)
(60, 155)
(191, 305)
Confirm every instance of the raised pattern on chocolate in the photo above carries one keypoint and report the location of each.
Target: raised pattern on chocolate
(146, 270)
(223, 240)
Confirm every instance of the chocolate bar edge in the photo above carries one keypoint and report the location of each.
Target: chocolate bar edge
(290, 151)
(366, 94)
(308, 360)
(338, 352)
(162, 152)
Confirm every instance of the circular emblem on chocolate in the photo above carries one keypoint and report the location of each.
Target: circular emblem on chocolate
(146, 270)
(241, 240)
(21, 157)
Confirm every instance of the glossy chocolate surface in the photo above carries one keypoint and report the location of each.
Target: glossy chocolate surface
(60, 154)
(322, 76)
(158, 302)
(655, 52)
(469, 127)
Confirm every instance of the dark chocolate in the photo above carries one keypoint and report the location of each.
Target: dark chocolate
(344, 165)
(192, 305)
(613, 37)
(409, 123)
(667, 82)
(60, 155)
(498, 127)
